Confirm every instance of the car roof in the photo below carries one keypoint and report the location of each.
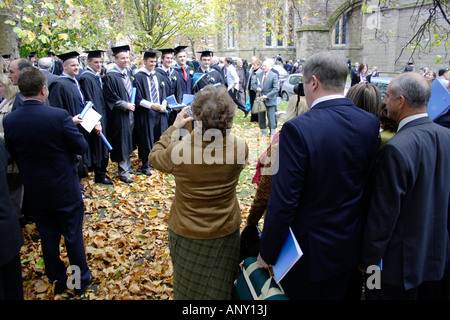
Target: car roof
(386, 80)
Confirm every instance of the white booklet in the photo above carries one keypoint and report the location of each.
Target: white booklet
(90, 117)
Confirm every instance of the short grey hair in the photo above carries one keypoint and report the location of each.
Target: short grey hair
(45, 63)
(413, 87)
(331, 70)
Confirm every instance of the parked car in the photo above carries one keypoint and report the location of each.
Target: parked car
(282, 73)
(287, 88)
(382, 83)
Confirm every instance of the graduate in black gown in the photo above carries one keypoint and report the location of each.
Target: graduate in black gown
(92, 89)
(150, 112)
(172, 81)
(185, 72)
(117, 90)
(205, 75)
(66, 93)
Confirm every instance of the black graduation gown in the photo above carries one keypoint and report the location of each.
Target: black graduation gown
(92, 91)
(120, 131)
(186, 85)
(64, 94)
(212, 77)
(172, 85)
(148, 122)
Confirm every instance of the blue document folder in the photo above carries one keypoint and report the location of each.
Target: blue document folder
(439, 100)
(172, 102)
(133, 95)
(289, 255)
(188, 98)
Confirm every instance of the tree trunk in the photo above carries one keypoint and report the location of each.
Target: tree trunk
(9, 41)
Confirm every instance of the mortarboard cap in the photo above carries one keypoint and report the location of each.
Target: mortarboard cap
(6, 56)
(95, 53)
(32, 54)
(68, 55)
(120, 49)
(205, 53)
(150, 53)
(166, 51)
(179, 49)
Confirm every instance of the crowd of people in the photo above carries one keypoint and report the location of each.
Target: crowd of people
(353, 197)
(362, 73)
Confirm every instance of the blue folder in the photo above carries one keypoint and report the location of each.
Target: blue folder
(439, 101)
(289, 255)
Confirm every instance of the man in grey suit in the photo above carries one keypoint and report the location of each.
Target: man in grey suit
(407, 221)
(269, 92)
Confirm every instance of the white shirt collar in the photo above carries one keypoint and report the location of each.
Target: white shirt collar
(89, 68)
(326, 98)
(406, 120)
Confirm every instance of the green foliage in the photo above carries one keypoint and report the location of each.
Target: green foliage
(87, 24)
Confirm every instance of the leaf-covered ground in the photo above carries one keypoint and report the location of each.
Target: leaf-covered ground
(125, 232)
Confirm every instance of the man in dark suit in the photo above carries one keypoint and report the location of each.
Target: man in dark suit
(407, 222)
(326, 155)
(44, 141)
(11, 240)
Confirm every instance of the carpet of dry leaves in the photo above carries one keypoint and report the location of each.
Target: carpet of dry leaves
(125, 232)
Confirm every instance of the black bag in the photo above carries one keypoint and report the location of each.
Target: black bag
(250, 240)
(81, 167)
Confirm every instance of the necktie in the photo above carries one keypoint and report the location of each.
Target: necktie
(184, 73)
(127, 83)
(264, 79)
(99, 80)
(153, 91)
(79, 90)
(168, 73)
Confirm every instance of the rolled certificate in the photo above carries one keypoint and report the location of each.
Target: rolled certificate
(85, 110)
(133, 95)
(108, 145)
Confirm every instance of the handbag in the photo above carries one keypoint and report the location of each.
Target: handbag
(258, 105)
(81, 167)
(250, 240)
(256, 283)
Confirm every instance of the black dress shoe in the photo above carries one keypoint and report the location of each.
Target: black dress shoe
(103, 180)
(127, 180)
(147, 171)
(84, 287)
(60, 288)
